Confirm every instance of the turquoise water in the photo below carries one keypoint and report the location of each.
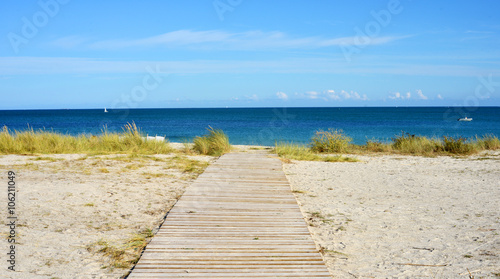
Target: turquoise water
(265, 126)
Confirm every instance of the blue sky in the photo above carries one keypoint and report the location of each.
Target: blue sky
(242, 53)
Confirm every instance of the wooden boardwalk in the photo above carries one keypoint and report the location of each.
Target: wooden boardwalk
(239, 219)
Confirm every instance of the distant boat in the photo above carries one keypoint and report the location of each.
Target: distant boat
(465, 119)
(155, 138)
(105, 110)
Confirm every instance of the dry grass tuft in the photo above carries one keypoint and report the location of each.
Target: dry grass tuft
(215, 143)
(331, 141)
(415, 145)
(44, 142)
(290, 151)
(123, 255)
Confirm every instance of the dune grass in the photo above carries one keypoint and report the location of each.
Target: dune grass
(416, 145)
(129, 141)
(458, 146)
(289, 151)
(487, 142)
(334, 141)
(375, 147)
(215, 143)
(126, 254)
(331, 141)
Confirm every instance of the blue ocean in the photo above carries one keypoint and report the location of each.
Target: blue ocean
(265, 126)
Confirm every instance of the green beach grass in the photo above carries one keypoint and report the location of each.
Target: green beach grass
(290, 151)
(417, 145)
(335, 142)
(331, 141)
(129, 141)
(215, 143)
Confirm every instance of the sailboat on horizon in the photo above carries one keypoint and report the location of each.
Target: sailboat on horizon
(105, 110)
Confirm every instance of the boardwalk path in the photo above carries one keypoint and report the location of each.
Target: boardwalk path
(239, 219)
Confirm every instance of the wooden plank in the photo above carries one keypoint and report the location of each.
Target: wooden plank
(239, 219)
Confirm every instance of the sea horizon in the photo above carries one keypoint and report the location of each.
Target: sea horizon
(250, 107)
(265, 125)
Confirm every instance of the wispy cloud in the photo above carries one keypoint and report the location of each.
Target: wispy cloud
(253, 97)
(399, 96)
(282, 96)
(479, 32)
(408, 95)
(218, 39)
(344, 95)
(332, 95)
(74, 65)
(171, 39)
(478, 35)
(69, 42)
(420, 95)
(312, 95)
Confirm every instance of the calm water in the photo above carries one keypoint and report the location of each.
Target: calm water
(265, 126)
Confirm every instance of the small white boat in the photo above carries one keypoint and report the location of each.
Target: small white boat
(155, 138)
(465, 119)
(105, 110)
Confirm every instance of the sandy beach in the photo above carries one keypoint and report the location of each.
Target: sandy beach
(383, 217)
(71, 206)
(403, 216)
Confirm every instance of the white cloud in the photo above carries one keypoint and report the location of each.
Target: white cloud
(361, 40)
(253, 97)
(396, 96)
(174, 38)
(439, 96)
(249, 40)
(356, 96)
(312, 95)
(77, 65)
(352, 95)
(407, 96)
(479, 32)
(420, 95)
(332, 95)
(336, 96)
(344, 95)
(282, 96)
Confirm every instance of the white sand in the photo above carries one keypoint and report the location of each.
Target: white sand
(66, 206)
(390, 216)
(403, 217)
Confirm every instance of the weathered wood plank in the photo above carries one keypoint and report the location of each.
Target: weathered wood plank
(239, 219)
